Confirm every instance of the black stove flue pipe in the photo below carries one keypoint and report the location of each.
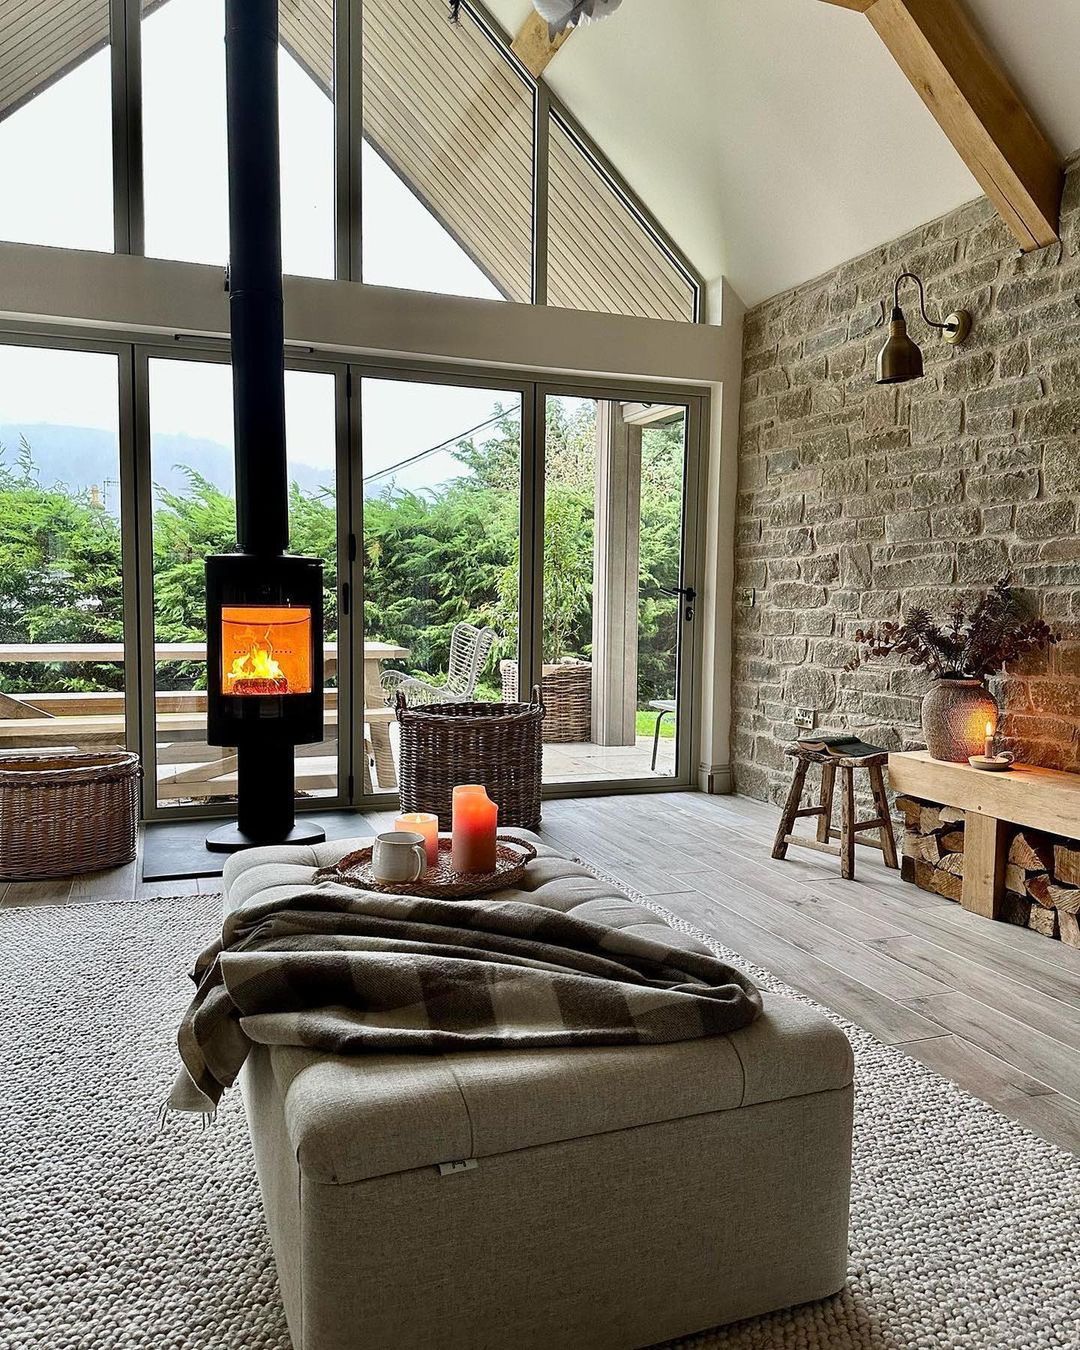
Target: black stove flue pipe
(264, 729)
(255, 303)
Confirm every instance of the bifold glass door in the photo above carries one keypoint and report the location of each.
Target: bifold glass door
(190, 507)
(617, 597)
(440, 552)
(64, 676)
(515, 538)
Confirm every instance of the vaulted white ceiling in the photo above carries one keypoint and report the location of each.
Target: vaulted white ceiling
(776, 138)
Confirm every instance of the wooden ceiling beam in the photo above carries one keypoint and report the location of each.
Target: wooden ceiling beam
(533, 47)
(956, 75)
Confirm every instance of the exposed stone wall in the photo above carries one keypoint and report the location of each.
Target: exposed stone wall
(857, 501)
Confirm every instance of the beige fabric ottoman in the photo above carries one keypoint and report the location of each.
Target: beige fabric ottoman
(600, 1197)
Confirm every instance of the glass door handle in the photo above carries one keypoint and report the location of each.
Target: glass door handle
(687, 593)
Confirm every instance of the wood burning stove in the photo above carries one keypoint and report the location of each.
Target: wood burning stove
(264, 660)
(263, 606)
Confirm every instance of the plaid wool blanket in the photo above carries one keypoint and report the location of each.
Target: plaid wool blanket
(346, 972)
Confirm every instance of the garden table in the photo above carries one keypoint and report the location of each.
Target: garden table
(16, 717)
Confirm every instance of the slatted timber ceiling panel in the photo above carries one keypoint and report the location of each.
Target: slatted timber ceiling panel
(599, 256)
(40, 40)
(306, 28)
(453, 119)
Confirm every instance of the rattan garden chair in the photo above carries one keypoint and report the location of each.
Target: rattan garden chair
(469, 647)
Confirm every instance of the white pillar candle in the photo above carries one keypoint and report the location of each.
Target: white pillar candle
(423, 823)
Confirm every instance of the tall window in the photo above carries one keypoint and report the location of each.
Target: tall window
(612, 626)
(56, 124)
(185, 160)
(306, 87)
(185, 155)
(442, 491)
(451, 123)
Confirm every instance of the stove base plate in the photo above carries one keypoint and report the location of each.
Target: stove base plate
(231, 839)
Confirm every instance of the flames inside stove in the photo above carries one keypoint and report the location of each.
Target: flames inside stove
(265, 649)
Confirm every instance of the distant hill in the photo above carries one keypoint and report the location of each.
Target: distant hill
(84, 457)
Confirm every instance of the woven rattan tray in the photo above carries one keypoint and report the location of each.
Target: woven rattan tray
(440, 882)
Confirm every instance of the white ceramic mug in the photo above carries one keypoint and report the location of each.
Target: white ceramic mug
(398, 856)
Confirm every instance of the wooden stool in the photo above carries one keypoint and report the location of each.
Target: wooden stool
(849, 826)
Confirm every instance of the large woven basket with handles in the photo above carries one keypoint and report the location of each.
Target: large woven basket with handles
(497, 744)
(65, 813)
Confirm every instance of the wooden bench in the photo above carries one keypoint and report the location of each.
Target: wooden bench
(25, 707)
(1040, 799)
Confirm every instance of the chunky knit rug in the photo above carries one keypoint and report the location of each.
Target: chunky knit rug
(964, 1226)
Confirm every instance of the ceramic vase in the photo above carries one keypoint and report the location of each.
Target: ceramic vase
(954, 716)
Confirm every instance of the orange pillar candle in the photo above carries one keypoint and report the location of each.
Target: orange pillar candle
(476, 818)
(422, 822)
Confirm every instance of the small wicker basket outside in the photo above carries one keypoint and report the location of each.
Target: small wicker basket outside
(567, 697)
(497, 744)
(67, 813)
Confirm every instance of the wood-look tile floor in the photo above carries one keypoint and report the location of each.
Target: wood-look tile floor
(993, 1007)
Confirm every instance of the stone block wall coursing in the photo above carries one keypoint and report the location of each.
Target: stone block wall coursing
(857, 501)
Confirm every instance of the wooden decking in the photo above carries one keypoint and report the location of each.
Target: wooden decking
(994, 1007)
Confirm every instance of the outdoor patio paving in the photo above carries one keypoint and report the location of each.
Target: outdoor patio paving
(575, 763)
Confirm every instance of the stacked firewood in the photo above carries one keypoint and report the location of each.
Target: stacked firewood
(1042, 872)
(933, 852)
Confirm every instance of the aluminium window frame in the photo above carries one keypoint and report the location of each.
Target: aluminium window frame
(134, 350)
(11, 336)
(216, 351)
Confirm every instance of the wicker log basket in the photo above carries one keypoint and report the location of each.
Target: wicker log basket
(497, 744)
(67, 813)
(567, 697)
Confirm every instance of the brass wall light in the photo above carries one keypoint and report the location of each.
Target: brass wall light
(901, 359)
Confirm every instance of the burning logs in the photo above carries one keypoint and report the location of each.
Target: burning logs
(259, 684)
(1042, 873)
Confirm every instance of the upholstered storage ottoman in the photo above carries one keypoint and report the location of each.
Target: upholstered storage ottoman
(603, 1197)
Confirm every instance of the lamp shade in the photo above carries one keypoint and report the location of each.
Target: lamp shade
(900, 359)
(562, 14)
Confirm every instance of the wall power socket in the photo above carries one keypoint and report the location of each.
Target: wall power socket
(804, 719)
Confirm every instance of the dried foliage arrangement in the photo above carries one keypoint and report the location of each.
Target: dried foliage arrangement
(968, 644)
